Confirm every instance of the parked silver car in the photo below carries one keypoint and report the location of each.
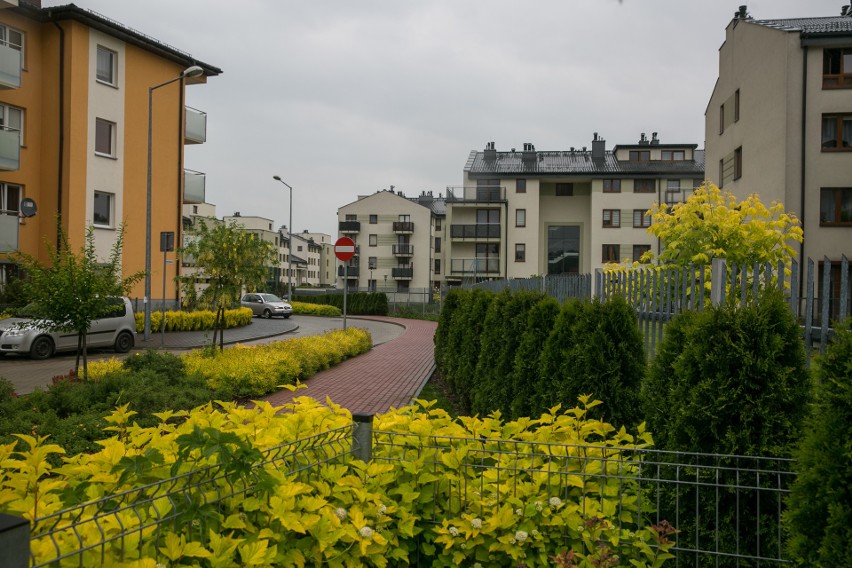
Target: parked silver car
(20, 335)
(266, 305)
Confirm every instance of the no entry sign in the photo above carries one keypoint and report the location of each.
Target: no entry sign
(344, 248)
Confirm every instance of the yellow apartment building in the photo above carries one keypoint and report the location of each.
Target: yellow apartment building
(74, 119)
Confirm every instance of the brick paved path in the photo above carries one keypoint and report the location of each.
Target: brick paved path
(389, 375)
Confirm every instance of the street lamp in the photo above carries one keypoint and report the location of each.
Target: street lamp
(189, 72)
(290, 239)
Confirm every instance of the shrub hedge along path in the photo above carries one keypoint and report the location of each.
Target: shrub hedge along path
(388, 376)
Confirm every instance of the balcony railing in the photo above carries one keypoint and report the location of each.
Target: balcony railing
(10, 150)
(475, 194)
(194, 186)
(351, 272)
(475, 266)
(8, 232)
(402, 273)
(403, 227)
(349, 226)
(10, 66)
(195, 126)
(477, 231)
(403, 250)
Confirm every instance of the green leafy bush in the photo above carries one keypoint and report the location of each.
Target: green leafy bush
(357, 303)
(819, 514)
(525, 371)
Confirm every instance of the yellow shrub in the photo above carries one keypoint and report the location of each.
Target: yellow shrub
(315, 309)
(99, 369)
(193, 321)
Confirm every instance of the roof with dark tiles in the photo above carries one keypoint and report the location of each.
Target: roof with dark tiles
(831, 25)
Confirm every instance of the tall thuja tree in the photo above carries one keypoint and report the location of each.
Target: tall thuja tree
(471, 326)
(449, 309)
(72, 289)
(232, 260)
(554, 362)
(525, 371)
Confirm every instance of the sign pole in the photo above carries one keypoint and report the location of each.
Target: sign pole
(344, 250)
(345, 289)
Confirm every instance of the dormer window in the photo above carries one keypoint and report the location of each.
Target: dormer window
(672, 155)
(640, 155)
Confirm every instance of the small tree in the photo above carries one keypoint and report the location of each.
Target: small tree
(713, 224)
(232, 260)
(73, 289)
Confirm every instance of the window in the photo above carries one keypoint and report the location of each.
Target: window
(351, 217)
(696, 183)
(107, 71)
(564, 189)
(611, 253)
(520, 252)
(437, 266)
(837, 68)
(612, 218)
(372, 262)
(374, 219)
(437, 224)
(640, 155)
(520, 217)
(521, 186)
(737, 105)
(721, 173)
(405, 218)
(612, 186)
(437, 244)
(673, 185)
(738, 163)
(639, 250)
(10, 199)
(641, 219)
(673, 194)
(673, 155)
(721, 119)
(104, 137)
(374, 240)
(12, 118)
(563, 249)
(103, 209)
(487, 216)
(835, 206)
(644, 186)
(837, 132)
(12, 38)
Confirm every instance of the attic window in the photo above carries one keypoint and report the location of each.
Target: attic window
(673, 155)
(837, 68)
(640, 155)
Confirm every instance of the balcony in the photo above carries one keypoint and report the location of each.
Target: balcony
(8, 232)
(10, 66)
(475, 266)
(476, 194)
(479, 231)
(403, 227)
(10, 150)
(195, 126)
(194, 185)
(349, 227)
(402, 273)
(403, 250)
(352, 271)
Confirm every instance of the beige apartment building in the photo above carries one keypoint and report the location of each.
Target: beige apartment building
(398, 242)
(327, 262)
(779, 122)
(525, 213)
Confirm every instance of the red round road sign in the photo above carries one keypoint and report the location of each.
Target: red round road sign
(344, 248)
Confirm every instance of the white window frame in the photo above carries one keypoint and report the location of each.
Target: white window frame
(520, 217)
(4, 38)
(112, 136)
(6, 112)
(110, 205)
(113, 82)
(4, 197)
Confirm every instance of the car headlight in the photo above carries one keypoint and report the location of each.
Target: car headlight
(15, 332)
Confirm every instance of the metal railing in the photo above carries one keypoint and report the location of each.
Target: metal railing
(403, 250)
(349, 226)
(475, 231)
(475, 267)
(403, 227)
(476, 194)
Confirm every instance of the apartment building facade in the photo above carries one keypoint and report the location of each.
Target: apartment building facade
(327, 261)
(779, 122)
(525, 213)
(398, 242)
(74, 89)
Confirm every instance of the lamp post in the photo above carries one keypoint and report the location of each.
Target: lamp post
(193, 71)
(290, 239)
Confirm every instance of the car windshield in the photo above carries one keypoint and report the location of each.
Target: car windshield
(270, 298)
(28, 311)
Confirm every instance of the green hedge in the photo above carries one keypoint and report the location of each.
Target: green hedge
(357, 303)
(198, 320)
(315, 309)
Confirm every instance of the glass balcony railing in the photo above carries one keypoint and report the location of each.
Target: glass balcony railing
(10, 150)
(351, 271)
(8, 232)
(403, 227)
(10, 66)
(475, 266)
(194, 186)
(403, 250)
(349, 226)
(477, 231)
(402, 273)
(476, 194)
(195, 126)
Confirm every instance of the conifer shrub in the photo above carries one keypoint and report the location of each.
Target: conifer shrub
(449, 309)
(525, 371)
(470, 328)
(819, 508)
(357, 303)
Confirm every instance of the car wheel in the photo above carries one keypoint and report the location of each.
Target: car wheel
(124, 342)
(42, 348)
(287, 316)
(266, 314)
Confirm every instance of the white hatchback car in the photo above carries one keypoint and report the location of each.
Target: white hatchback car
(117, 330)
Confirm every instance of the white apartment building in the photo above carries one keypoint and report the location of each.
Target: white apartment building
(525, 213)
(779, 123)
(327, 261)
(262, 227)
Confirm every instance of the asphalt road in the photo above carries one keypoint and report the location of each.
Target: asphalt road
(28, 375)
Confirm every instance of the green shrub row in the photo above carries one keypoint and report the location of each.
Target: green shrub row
(357, 303)
(305, 308)
(199, 320)
(522, 354)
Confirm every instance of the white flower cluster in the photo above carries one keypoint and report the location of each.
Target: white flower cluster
(521, 536)
(341, 513)
(555, 502)
(366, 532)
(454, 531)
(519, 512)
(476, 523)
(538, 506)
(382, 509)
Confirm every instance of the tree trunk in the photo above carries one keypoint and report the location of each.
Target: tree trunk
(85, 357)
(222, 330)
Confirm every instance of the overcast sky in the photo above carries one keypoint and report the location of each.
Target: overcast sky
(343, 98)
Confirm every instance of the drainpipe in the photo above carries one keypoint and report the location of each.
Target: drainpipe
(61, 131)
(804, 130)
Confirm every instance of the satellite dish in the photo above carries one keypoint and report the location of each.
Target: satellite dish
(28, 207)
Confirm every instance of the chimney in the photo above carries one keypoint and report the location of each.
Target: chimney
(643, 140)
(598, 148)
(490, 151)
(654, 140)
(236, 213)
(844, 11)
(528, 156)
(742, 13)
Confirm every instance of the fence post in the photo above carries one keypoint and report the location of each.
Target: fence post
(825, 298)
(362, 437)
(717, 282)
(14, 542)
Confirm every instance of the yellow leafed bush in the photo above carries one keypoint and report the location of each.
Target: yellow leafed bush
(99, 369)
(193, 321)
(315, 309)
